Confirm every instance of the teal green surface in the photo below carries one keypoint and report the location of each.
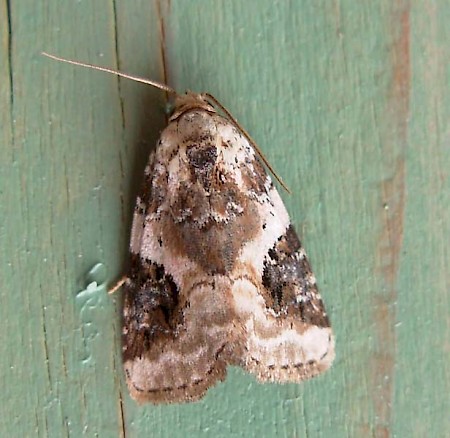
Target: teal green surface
(350, 103)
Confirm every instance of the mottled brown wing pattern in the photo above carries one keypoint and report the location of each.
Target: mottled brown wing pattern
(218, 275)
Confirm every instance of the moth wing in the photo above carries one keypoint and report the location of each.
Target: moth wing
(287, 333)
(170, 353)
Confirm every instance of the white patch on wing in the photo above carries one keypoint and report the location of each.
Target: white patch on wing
(163, 371)
(179, 267)
(272, 340)
(276, 220)
(237, 150)
(288, 346)
(247, 299)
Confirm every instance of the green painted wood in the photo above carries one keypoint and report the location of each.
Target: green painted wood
(350, 102)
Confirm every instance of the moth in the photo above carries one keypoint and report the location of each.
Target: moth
(217, 275)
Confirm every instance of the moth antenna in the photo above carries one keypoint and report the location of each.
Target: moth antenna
(171, 90)
(215, 102)
(114, 72)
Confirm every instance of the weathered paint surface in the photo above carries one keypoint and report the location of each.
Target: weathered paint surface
(349, 100)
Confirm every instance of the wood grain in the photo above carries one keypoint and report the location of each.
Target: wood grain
(349, 100)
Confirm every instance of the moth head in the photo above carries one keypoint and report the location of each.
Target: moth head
(190, 101)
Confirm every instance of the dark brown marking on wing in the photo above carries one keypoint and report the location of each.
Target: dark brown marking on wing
(151, 300)
(195, 229)
(202, 159)
(287, 276)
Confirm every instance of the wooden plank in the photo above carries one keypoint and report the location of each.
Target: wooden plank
(349, 101)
